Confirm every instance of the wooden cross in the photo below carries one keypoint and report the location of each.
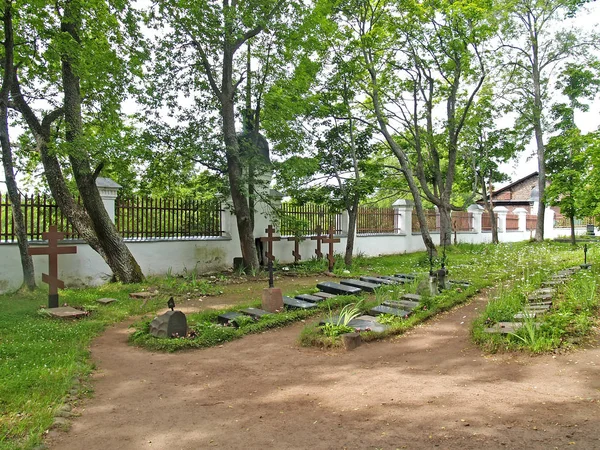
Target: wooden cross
(319, 238)
(270, 257)
(53, 250)
(331, 240)
(296, 251)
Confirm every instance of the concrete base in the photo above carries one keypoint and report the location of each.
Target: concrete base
(351, 340)
(272, 300)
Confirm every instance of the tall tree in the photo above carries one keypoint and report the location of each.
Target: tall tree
(79, 57)
(202, 52)
(7, 156)
(535, 47)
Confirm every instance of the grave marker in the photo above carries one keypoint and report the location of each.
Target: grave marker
(53, 250)
(296, 251)
(319, 239)
(272, 298)
(331, 240)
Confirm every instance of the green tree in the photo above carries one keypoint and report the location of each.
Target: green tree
(535, 46)
(79, 58)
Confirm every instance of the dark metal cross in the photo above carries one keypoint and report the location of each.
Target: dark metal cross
(585, 253)
(296, 251)
(53, 250)
(319, 238)
(270, 257)
(331, 240)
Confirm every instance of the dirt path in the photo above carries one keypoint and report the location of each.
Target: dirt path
(429, 388)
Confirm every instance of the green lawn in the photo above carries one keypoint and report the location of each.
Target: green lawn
(41, 359)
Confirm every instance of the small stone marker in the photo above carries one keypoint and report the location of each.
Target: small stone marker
(228, 317)
(310, 298)
(377, 280)
(169, 324)
(66, 312)
(255, 313)
(383, 309)
(295, 303)
(351, 340)
(106, 301)
(319, 239)
(331, 240)
(338, 289)
(324, 295)
(363, 285)
(53, 250)
(141, 295)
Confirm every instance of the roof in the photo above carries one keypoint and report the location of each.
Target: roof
(514, 183)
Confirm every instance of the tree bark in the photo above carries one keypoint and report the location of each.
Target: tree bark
(352, 216)
(7, 157)
(117, 254)
(539, 135)
(489, 207)
(572, 223)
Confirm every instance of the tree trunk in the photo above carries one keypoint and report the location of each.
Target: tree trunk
(539, 138)
(7, 157)
(352, 216)
(445, 225)
(572, 223)
(489, 207)
(117, 254)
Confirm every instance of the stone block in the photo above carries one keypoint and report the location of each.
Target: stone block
(363, 285)
(272, 300)
(384, 309)
(401, 304)
(397, 280)
(338, 289)
(106, 301)
(408, 276)
(228, 317)
(169, 324)
(294, 303)
(310, 298)
(351, 340)
(66, 312)
(412, 297)
(377, 280)
(256, 313)
(324, 295)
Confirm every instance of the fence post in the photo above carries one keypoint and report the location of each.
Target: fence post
(403, 216)
(108, 190)
(549, 223)
(477, 212)
(522, 215)
(501, 212)
(346, 223)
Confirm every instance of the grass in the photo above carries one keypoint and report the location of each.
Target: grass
(41, 359)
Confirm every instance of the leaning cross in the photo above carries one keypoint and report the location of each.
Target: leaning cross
(319, 238)
(331, 240)
(270, 257)
(296, 251)
(53, 250)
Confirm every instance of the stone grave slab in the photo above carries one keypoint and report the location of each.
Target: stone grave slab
(401, 304)
(169, 324)
(384, 309)
(506, 327)
(106, 301)
(525, 315)
(377, 280)
(361, 323)
(539, 297)
(408, 276)
(541, 304)
(536, 308)
(544, 291)
(324, 295)
(66, 312)
(412, 297)
(228, 317)
(338, 289)
(295, 303)
(397, 280)
(140, 295)
(255, 313)
(364, 285)
(310, 298)
(552, 283)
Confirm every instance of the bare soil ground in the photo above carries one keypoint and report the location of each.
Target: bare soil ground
(428, 388)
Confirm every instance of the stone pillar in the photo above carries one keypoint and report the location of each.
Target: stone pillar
(501, 212)
(346, 222)
(403, 217)
(522, 215)
(549, 224)
(108, 190)
(477, 212)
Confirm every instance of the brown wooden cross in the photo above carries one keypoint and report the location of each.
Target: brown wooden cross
(296, 251)
(270, 257)
(53, 250)
(331, 240)
(319, 238)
